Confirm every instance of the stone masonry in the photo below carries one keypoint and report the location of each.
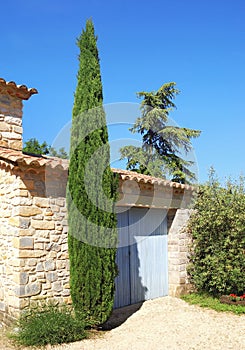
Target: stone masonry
(178, 250)
(34, 260)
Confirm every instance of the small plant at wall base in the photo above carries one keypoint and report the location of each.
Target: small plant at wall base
(217, 225)
(233, 299)
(205, 300)
(48, 324)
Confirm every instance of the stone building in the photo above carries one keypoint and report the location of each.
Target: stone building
(34, 262)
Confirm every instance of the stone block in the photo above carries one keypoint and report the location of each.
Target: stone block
(24, 223)
(61, 264)
(26, 232)
(16, 144)
(52, 276)
(23, 193)
(21, 278)
(14, 221)
(42, 202)
(52, 255)
(66, 292)
(40, 267)
(174, 277)
(3, 143)
(13, 120)
(64, 247)
(57, 287)
(49, 265)
(60, 202)
(4, 126)
(42, 225)
(53, 246)
(39, 245)
(21, 200)
(48, 212)
(23, 243)
(28, 290)
(67, 300)
(32, 262)
(23, 303)
(18, 129)
(14, 262)
(29, 211)
(11, 135)
(41, 276)
(25, 253)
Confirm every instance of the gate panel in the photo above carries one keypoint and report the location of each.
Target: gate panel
(122, 281)
(141, 256)
(148, 255)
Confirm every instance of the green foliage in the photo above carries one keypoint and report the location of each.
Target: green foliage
(33, 146)
(218, 230)
(92, 192)
(60, 153)
(160, 154)
(48, 324)
(205, 300)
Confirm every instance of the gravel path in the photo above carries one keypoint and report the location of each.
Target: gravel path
(170, 324)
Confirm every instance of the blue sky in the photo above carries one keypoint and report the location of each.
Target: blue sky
(197, 44)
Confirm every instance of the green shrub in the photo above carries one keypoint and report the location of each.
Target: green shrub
(217, 226)
(48, 324)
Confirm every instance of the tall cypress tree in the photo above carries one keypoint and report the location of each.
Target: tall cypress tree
(91, 192)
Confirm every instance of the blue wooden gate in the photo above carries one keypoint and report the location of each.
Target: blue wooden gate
(141, 256)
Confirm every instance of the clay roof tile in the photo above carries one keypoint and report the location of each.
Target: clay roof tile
(20, 91)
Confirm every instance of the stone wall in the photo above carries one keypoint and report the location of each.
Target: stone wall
(34, 260)
(10, 122)
(178, 251)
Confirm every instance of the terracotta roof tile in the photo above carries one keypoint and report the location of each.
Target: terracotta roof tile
(132, 175)
(20, 91)
(24, 159)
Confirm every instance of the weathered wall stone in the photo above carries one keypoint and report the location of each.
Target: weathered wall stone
(10, 122)
(33, 243)
(178, 250)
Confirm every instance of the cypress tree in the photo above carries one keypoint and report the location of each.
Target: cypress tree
(91, 193)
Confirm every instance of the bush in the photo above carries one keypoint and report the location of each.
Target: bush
(217, 226)
(48, 324)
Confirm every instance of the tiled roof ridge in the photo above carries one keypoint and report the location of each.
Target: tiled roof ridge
(20, 91)
(28, 159)
(25, 159)
(133, 175)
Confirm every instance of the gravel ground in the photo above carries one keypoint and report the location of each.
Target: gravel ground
(167, 324)
(170, 324)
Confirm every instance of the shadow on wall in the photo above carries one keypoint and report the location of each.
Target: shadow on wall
(128, 283)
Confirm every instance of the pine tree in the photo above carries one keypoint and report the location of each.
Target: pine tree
(162, 144)
(91, 194)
